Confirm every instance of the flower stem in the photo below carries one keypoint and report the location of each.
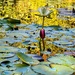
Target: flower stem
(43, 44)
(40, 44)
(43, 21)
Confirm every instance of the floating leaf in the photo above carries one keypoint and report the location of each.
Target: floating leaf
(30, 72)
(56, 60)
(8, 49)
(13, 59)
(3, 68)
(45, 63)
(16, 73)
(23, 68)
(64, 59)
(73, 49)
(63, 42)
(6, 55)
(62, 70)
(21, 65)
(26, 59)
(42, 69)
(6, 73)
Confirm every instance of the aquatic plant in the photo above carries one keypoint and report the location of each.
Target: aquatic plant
(44, 12)
(67, 65)
(42, 36)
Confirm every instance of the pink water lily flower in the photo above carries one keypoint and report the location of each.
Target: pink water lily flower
(42, 33)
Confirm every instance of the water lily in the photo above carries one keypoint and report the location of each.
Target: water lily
(42, 36)
(42, 33)
(44, 12)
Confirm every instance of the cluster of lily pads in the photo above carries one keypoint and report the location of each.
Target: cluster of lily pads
(18, 51)
(21, 54)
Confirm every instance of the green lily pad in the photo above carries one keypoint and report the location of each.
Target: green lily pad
(73, 49)
(26, 59)
(21, 65)
(6, 55)
(8, 49)
(30, 72)
(6, 73)
(12, 21)
(42, 69)
(16, 73)
(62, 70)
(3, 68)
(62, 42)
(45, 63)
(23, 68)
(56, 60)
(64, 59)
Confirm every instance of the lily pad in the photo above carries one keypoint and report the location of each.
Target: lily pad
(6, 55)
(3, 68)
(13, 59)
(42, 69)
(23, 68)
(30, 72)
(64, 59)
(12, 21)
(16, 73)
(45, 63)
(6, 73)
(26, 59)
(73, 49)
(12, 40)
(56, 60)
(63, 42)
(8, 49)
(66, 38)
(62, 70)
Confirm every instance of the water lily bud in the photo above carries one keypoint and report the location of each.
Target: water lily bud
(42, 33)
